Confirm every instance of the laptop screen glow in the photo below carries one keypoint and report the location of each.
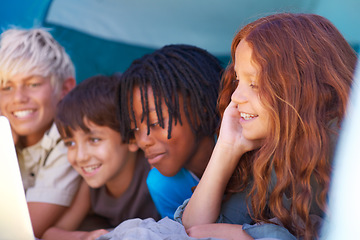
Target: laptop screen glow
(14, 215)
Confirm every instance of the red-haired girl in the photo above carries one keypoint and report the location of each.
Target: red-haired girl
(283, 99)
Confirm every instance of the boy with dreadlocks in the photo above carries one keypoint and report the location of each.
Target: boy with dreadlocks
(167, 102)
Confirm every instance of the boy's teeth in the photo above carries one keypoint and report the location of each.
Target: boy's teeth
(23, 113)
(90, 168)
(247, 116)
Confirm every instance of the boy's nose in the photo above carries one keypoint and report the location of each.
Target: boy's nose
(20, 94)
(82, 155)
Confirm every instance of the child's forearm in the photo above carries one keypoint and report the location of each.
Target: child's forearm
(55, 233)
(204, 206)
(60, 234)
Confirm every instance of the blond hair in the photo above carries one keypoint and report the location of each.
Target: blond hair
(34, 52)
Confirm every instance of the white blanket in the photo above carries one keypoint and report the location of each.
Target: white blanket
(149, 229)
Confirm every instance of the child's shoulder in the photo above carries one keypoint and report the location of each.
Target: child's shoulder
(182, 180)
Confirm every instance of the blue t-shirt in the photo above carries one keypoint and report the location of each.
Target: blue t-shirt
(170, 192)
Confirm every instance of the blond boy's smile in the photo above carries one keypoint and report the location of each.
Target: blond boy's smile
(29, 102)
(23, 113)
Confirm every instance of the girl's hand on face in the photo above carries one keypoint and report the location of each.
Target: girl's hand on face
(231, 132)
(230, 129)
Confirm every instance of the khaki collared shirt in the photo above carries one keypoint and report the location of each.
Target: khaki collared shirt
(46, 173)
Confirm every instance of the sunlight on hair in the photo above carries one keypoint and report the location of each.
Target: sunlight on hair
(344, 211)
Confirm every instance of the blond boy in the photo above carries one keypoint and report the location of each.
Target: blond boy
(35, 73)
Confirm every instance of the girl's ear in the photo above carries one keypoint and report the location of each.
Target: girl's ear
(133, 147)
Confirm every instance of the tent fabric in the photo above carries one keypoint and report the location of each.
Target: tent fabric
(108, 35)
(105, 36)
(156, 23)
(93, 55)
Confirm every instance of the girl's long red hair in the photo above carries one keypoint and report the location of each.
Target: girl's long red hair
(306, 71)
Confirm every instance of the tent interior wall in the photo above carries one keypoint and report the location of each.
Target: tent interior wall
(105, 36)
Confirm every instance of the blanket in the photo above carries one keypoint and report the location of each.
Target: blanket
(149, 229)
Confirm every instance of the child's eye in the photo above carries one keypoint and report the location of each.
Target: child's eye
(94, 140)
(154, 124)
(135, 129)
(6, 88)
(69, 143)
(33, 85)
(235, 82)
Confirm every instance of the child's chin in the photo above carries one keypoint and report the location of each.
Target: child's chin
(94, 184)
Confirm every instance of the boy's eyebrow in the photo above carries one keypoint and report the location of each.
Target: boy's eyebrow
(27, 78)
(93, 132)
(64, 138)
(153, 114)
(38, 77)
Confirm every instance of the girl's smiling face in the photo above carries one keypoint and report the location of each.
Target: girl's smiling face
(254, 118)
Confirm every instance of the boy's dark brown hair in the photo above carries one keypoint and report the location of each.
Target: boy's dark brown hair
(93, 99)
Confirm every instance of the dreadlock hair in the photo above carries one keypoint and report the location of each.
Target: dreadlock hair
(305, 75)
(92, 99)
(172, 70)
